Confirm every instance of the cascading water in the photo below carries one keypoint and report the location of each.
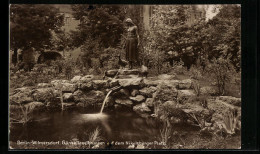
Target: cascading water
(96, 116)
(104, 102)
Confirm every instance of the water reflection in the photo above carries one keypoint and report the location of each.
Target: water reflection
(93, 118)
(115, 125)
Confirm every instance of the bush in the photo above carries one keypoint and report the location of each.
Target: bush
(195, 72)
(196, 87)
(68, 67)
(178, 67)
(231, 123)
(221, 70)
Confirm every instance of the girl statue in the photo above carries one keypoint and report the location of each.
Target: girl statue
(132, 42)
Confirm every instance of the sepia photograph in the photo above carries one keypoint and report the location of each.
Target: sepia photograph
(105, 76)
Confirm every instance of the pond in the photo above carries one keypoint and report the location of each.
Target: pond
(123, 126)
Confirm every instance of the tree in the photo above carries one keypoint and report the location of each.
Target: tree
(100, 23)
(172, 33)
(224, 34)
(61, 41)
(33, 25)
(101, 27)
(221, 70)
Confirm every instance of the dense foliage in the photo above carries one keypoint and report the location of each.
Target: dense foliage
(31, 29)
(100, 23)
(178, 37)
(173, 36)
(33, 24)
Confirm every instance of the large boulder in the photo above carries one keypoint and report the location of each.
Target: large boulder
(76, 79)
(110, 101)
(35, 105)
(223, 112)
(194, 112)
(138, 98)
(230, 100)
(94, 97)
(56, 83)
(132, 82)
(165, 93)
(124, 101)
(148, 91)
(90, 98)
(149, 102)
(86, 86)
(43, 85)
(141, 108)
(222, 107)
(122, 93)
(134, 92)
(43, 94)
(56, 93)
(171, 110)
(199, 111)
(69, 87)
(172, 83)
(100, 84)
(208, 90)
(87, 78)
(64, 85)
(166, 77)
(111, 73)
(68, 97)
(184, 95)
(21, 95)
(148, 82)
(185, 84)
(113, 83)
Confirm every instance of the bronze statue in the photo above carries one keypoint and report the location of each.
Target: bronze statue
(132, 43)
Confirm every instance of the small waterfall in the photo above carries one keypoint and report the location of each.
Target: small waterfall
(104, 102)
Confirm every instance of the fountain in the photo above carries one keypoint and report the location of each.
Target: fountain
(104, 102)
(100, 115)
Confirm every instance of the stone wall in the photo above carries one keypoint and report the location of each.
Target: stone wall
(147, 97)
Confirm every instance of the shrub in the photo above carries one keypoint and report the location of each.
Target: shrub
(195, 73)
(68, 67)
(196, 87)
(230, 123)
(221, 70)
(178, 67)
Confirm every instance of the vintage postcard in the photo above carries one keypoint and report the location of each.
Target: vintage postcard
(125, 76)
